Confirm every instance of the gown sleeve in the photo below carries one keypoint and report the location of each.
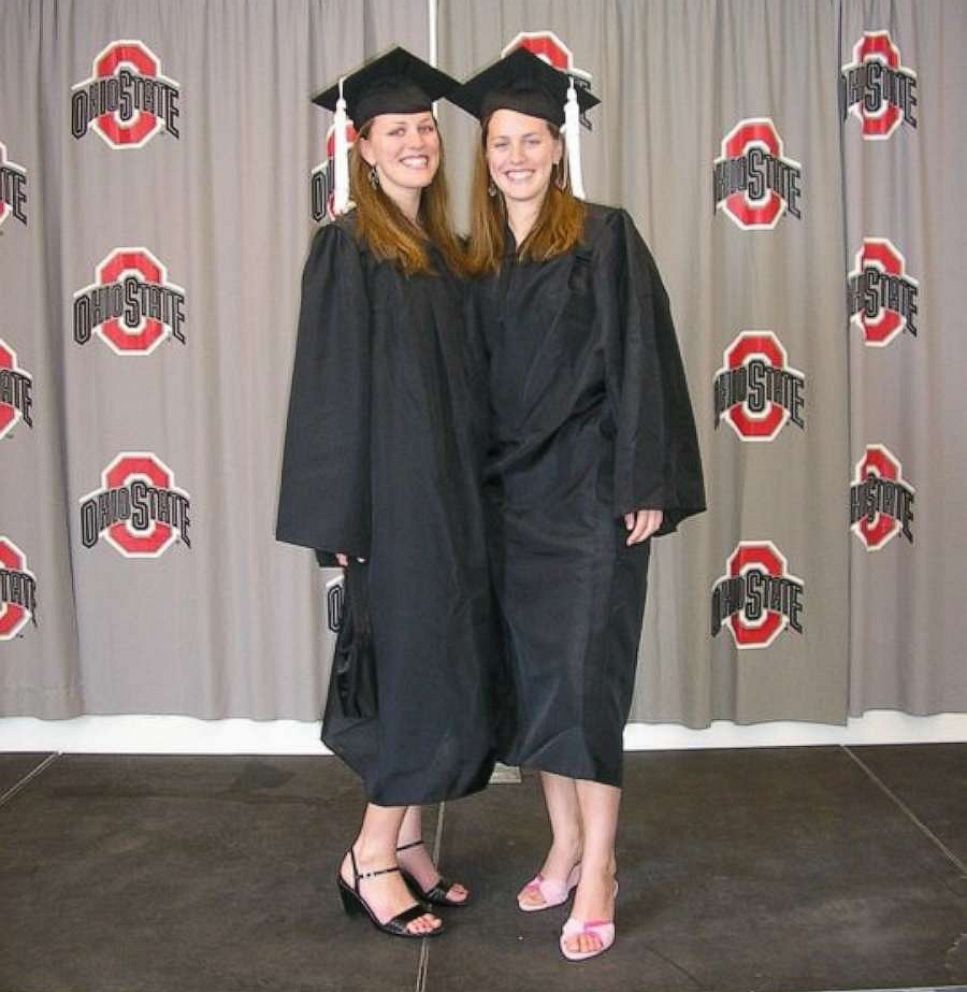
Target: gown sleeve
(657, 461)
(325, 501)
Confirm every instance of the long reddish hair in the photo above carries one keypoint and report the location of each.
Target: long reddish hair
(389, 233)
(558, 227)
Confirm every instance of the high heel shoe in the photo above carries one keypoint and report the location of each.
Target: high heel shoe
(553, 891)
(436, 894)
(354, 904)
(602, 929)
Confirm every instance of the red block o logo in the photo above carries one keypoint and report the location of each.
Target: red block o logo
(882, 255)
(126, 538)
(765, 558)
(9, 414)
(890, 499)
(13, 616)
(150, 331)
(766, 211)
(547, 46)
(143, 124)
(748, 424)
(879, 462)
(882, 123)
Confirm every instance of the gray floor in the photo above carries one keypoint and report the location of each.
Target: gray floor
(770, 869)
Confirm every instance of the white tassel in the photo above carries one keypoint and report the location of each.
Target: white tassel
(572, 140)
(340, 193)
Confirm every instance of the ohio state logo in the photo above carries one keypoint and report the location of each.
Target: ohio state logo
(882, 298)
(757, 392)
(876, 88)
(757, 598)
(138, 510)
(547, 46)
(880, 500)
(131, 304)
(13, 188)
(16, 386)
(18, 591)
(753, 182)
(126, 99)
(322, 179)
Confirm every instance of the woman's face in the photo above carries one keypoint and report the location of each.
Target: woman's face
(405, 148)
(521, 153)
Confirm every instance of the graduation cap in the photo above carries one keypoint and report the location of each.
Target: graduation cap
(528, 85)
(395, 83)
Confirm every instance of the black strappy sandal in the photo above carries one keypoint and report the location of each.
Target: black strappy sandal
(436, 895)
(354, 904)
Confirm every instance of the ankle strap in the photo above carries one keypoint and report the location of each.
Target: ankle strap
(359, 875)
(378, 871)
(406, 847)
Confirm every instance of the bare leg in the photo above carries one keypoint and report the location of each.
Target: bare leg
(594, 900)
(417, 861)
(375, 847)
(564, 813)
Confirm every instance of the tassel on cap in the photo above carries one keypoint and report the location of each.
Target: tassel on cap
(526, 84)
(340, 193)
(572, 139)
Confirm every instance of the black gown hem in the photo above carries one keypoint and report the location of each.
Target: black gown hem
(390, 797)
(566, 771)
(426, 799)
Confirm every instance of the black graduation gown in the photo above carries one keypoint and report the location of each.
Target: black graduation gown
(381, 462)
(590, 419)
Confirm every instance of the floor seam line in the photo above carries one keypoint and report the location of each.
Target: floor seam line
(423, 965)
(29, 777)
(676, 966)
(904, 988)
(920, 825)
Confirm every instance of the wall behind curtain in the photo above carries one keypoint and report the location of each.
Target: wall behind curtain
(234, 624)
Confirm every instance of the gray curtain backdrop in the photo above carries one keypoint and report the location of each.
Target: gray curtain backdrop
(204, 614)
(233, 625)
(909, 624)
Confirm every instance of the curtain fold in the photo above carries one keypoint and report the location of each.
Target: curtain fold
(162, 171)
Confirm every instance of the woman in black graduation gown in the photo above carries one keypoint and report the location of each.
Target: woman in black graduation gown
(592, 452)
(381, 473)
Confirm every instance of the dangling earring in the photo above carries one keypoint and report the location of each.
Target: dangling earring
(491, 189)
(373, 177)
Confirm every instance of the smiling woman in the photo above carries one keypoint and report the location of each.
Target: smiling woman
(593, 451)
(400, 190)
(522, 152)
(403, 152)
(381, 475)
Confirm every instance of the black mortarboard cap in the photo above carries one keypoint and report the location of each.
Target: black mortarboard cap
(523, 82)
(395, 83)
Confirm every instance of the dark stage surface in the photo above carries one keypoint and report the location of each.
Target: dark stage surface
(779, 869)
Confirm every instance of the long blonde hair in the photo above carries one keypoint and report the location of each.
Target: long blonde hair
(389, 233)
(558, 227)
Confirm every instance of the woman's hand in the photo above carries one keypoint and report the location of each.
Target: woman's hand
(342, 559)
(642, 525)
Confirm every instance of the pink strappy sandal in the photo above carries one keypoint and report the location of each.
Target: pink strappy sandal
(602, 929)
(553, 891)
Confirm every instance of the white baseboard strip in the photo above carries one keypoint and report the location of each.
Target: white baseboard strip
(138, 734)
